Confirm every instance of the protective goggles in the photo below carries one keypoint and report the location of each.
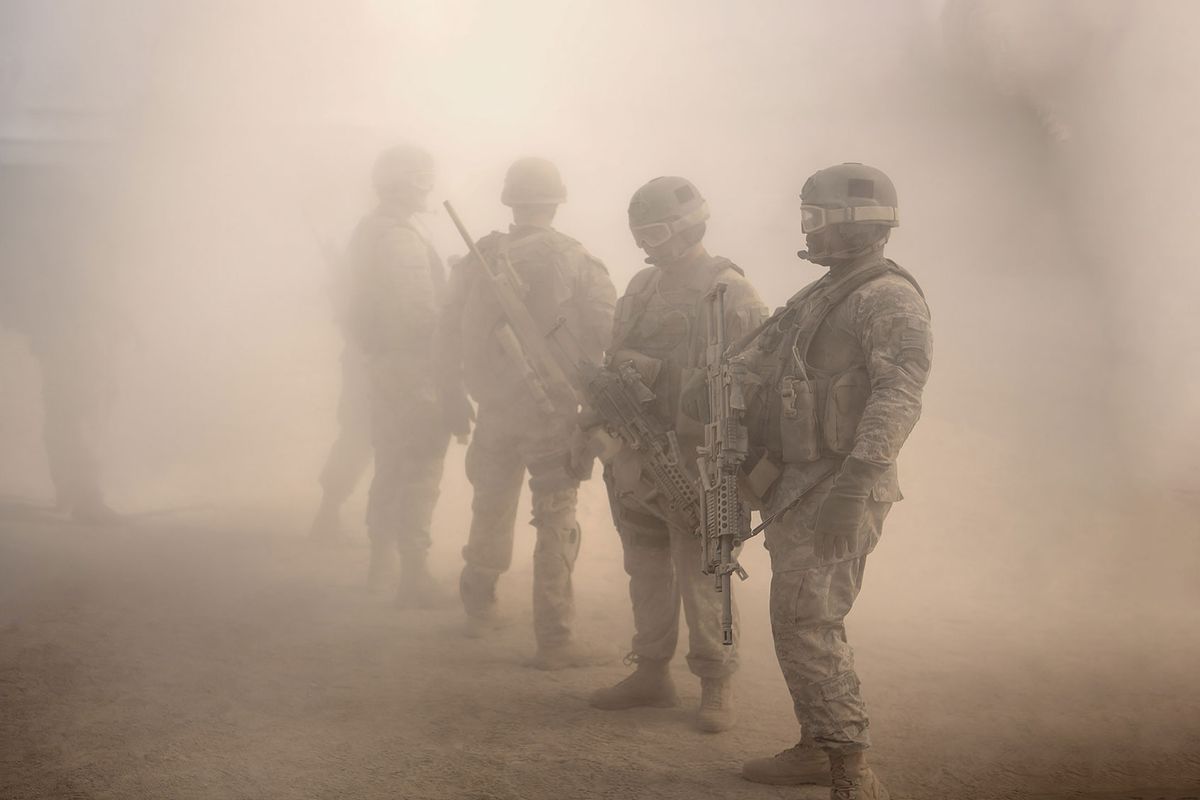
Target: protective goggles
(656, 234)
(815, 218)
(422, 180)
(653, 235)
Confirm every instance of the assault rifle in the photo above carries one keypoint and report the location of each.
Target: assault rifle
(518, 334)
(725, 522)
(617, 397)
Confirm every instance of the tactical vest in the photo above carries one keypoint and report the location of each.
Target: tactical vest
(802, 413)
(682, 346)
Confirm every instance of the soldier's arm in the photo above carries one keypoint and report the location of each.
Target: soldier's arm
(596, 301)
(894, 331)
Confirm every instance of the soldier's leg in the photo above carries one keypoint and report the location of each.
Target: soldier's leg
(410, 445)
(558, 539)
(708, 656)
(655, 598)
(808, 609)
(496, 470)
(351, 452)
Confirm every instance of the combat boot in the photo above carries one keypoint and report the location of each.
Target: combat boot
(382, 569)
(795, 766)
(716, 712)
(649, 685)
(572, 653)
(417, 589)
(853, 780)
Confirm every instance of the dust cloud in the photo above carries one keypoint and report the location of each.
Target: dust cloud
(1030, 620)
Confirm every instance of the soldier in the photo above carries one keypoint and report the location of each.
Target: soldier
(397, 283)
(660, 329)
(513, 434)
(834, 390)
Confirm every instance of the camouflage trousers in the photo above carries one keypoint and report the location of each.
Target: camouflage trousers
(410, 444)
(505, 444)
(809, 603)
(350, 455)
(663, 564)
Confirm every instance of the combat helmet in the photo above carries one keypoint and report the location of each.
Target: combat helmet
(533, 181)
(848, 193)
(401, 169)
(664, 208)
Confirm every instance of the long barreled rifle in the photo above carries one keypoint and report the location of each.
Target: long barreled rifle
(617, 397)
(725, 522)
(524, 344)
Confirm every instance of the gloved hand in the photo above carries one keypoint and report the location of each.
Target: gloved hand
(457, 411)
(582, 455)
(839, 533)
(648, 367)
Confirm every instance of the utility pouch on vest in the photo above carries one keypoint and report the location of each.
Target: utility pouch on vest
(844, 407)
(759, 480)
(799, 442)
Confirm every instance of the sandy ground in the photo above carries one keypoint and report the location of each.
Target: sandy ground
(220, 654)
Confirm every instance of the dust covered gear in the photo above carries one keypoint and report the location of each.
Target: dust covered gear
(417, 588)
(533, 182)
(852, 779)
(397, 282)
(799, 765)
(402, 169)
(717, 712)
(834, 389)
(847, 211)
(660, 329)
(650, 685)
(513, 435)
(667, 210)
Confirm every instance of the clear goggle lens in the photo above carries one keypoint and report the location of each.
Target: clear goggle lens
(421, 180)
(812, 219)
(653, 235)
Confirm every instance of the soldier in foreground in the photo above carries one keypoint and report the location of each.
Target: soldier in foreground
(835, 388)
(659, 329)
(397, 284)
(515, 434)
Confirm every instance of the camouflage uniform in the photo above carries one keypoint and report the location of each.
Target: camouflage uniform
(397, 285)
(660, 326)
(512, 435)
(857, 395)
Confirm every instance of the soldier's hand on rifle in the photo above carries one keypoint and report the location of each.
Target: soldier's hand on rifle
(457, 412)
(839, 528)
